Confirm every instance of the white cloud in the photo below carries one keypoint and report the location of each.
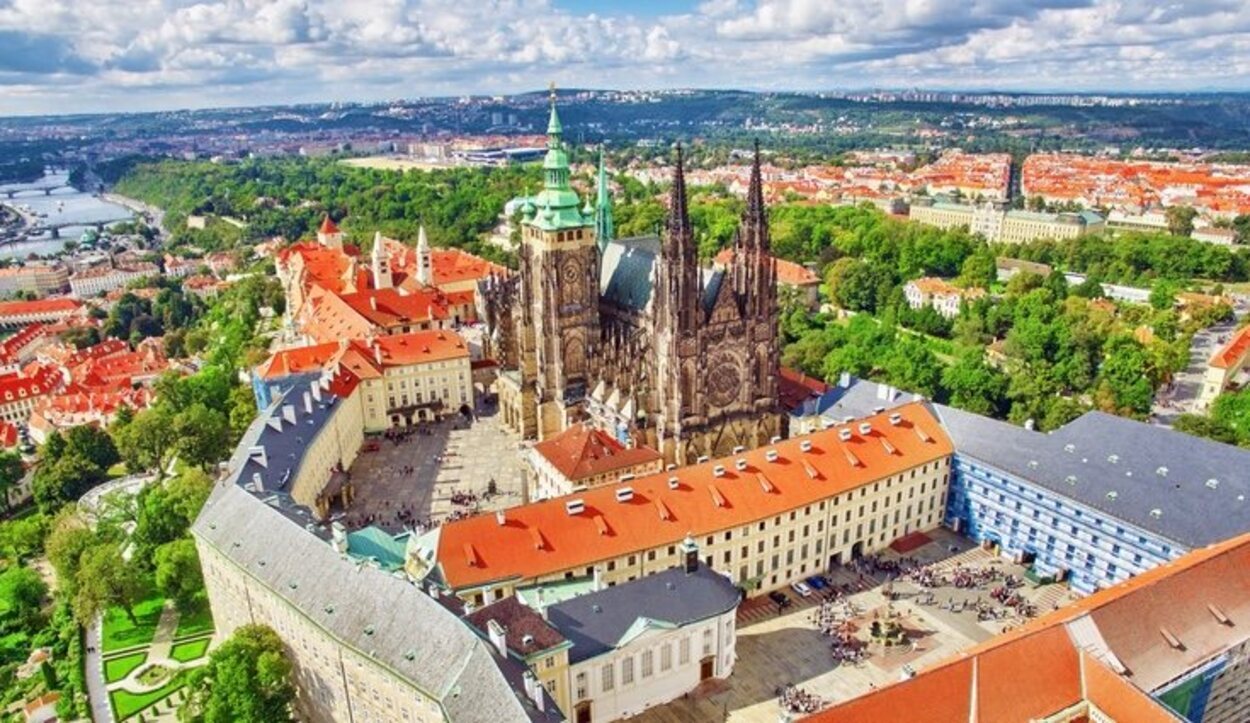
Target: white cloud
(70, 55)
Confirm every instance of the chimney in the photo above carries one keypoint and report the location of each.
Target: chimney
(316, 391)
(535, 690)
(258, 482)
(373, 303)
(500, 518)
(338, 538)
(497, 637)
(598, 579)
(288, 413)
(690, 552)
(844, 380)
(307, 403)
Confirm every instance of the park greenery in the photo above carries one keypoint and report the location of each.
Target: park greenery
(248, 679)
(123, 557)
(289, 197)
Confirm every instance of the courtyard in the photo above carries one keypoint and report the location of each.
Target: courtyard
(436, 471)
(776, 650)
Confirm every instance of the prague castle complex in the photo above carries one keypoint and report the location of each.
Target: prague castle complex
(633, 334)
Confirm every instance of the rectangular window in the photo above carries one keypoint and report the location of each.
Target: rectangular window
(683, 651)
(581, 685)
(627, 671)
(666, 657)
(646, 663)
(707, 641)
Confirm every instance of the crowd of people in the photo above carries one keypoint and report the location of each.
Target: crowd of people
(794, 699)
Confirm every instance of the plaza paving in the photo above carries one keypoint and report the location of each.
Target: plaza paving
(421, 473)
(787, 649)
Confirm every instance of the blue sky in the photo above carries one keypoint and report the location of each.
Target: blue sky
(70, 55)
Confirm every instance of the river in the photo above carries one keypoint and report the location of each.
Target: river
(64, 205)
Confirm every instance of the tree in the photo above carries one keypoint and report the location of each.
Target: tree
(22, 592)
(93, 444)
(974, 385)
(248, 679)
(22, 537)
(11, 472)
(69, 538)
(65, 480)
(979, 270)
(202, 435)
(1124, 375)
(145, 441)
(105, 579)
(178, 574)
(1180, 220)
(165, 511)
(1163, 295)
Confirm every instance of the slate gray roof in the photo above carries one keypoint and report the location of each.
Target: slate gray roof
(859, 398)
(284, 447)
(625, 272)
(1147, 467)
(381, 615)
(594, 623)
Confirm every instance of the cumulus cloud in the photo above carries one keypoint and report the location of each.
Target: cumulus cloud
(70, 55)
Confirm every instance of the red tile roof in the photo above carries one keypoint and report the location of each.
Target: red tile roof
(580, 452)
(795, 387)
(327, 226)
(1234, 351)
(366, 359)
(701, 504)
(788, 272)
(39, 306)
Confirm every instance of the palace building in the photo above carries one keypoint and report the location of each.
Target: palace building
(633, 335)
(765, 517)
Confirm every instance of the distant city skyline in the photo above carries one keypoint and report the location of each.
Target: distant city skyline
(63, 57)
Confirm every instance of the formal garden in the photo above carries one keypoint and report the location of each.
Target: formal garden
(147, 660)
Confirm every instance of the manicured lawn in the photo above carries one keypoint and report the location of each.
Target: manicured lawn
(126, 705)
(195, 622)
(120, 633)
(186, 652)
(120, 667)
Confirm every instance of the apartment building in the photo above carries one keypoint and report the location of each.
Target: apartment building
(998, 224)
(766, 517)
(1164, 647)
(944, 297)
(20, 391)
(365, 645)
(1096, 501)
(93, 282)
(582, 457)
(41, 279)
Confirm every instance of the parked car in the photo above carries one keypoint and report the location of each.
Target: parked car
(817, 582)
(779, 597)
(801, 588)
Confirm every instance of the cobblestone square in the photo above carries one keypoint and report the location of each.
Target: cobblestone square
(421, 474)
(776, 650)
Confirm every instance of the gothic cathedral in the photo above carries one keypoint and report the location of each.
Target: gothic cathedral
(633, 335)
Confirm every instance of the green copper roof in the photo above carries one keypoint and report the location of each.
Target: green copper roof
(558, 205)
(605, 228)
(372, 543)
(553, 124)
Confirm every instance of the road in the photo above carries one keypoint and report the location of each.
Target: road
(155, 216)
(1180, 396)
(101, 711)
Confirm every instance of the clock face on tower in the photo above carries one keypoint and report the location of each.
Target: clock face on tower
(572, 282)
(724, 382)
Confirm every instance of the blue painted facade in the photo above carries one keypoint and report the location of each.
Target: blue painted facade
(1188, 696)
(267, 390)
(1091, 547)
